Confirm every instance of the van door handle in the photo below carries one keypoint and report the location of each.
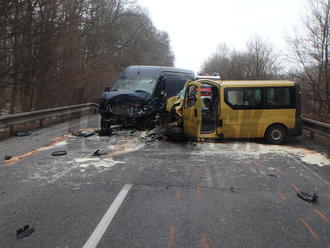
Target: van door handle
(195, 112)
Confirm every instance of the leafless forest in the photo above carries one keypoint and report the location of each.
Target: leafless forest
(63, 52)
(306, 61)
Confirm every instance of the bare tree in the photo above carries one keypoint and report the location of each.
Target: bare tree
(62, 52)
(258, 61)
(261, 60)
(311, 47)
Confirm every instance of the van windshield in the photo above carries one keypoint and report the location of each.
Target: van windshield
(135, 84)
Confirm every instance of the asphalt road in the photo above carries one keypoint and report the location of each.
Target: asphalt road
(155, 193)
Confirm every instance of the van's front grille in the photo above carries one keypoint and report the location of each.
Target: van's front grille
(121, 109)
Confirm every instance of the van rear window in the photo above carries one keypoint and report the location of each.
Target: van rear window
(278, 97)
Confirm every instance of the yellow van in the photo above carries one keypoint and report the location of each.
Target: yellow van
(239, 109)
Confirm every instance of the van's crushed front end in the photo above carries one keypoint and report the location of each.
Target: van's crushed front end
(126, 107)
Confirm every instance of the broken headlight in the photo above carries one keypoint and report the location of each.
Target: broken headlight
(138, 109)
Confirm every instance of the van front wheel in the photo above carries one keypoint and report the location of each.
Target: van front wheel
(276, 135)
(104, 123)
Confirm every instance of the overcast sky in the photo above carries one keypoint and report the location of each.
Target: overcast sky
(196, 27)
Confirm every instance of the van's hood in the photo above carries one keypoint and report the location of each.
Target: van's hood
(125, 96)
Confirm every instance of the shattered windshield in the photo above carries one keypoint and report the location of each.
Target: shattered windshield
(135, 84)
(182, 93)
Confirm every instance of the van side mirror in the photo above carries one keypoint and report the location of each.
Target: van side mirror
(107, 89)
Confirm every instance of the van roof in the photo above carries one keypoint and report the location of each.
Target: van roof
(153, 71)
(256, 83)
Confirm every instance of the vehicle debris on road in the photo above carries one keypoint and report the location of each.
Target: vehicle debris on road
(153, 135)
(24, 232)
(233, 190)
(59, 153)
(104, 132)
(23, 133)
(84, 134)
(99, 153)
(272, 175)
(8, 157)
(308, 197)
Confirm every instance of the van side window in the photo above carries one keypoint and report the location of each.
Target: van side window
(252, 97)
(247, 98)
(174, 85)
(235, 97)
(278, 97)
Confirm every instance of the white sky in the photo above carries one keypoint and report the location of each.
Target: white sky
(196, 27)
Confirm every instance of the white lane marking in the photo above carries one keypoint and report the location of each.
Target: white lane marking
(97, 234)
(209, 177)
(315, 174)
(311, 171)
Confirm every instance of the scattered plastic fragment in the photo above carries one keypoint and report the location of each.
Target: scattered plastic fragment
(307, 197)
(272, 175)
(23, 133)
(24, 232)
(83, 134)
(8, 157)
(233, 190)
(99, 153)
(59, 153)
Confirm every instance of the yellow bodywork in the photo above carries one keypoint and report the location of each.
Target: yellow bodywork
(171, 102)
(235, 123)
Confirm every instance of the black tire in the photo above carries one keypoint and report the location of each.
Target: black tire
(276, 134)
(146, 123)
(59, 153)
(105, 124)
(175, 134)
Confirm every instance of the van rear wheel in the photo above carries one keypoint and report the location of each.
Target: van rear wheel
(276, 135)
(104, 123)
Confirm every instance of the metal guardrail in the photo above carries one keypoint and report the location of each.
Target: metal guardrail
(320, 126)
(9, 121)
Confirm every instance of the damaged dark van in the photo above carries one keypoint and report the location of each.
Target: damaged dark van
(139, 95)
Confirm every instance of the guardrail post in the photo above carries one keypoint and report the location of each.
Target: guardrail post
(11, 130)
(41, 123)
